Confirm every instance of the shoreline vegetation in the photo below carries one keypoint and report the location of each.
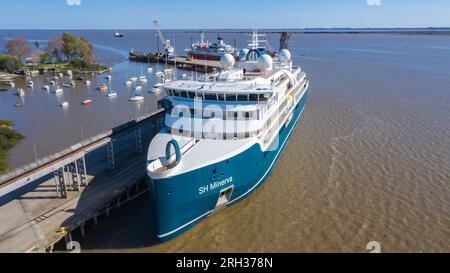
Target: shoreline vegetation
(8, 139)
(63, 53)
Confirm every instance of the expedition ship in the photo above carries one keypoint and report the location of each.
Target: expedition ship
(223, 135)
(210, 51)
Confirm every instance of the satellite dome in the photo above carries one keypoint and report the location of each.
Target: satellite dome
(284, 55)
(265, 62)
(243, 53)
(227, 61)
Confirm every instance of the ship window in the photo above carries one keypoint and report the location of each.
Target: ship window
(169, 92)
(243, 97)
(247, 115)
(181, 114)
(209, 96)
(231, 97)
(184, 94)
(191, 95)
(253, 97)
(235, 115)
(221, 97)
(247, 134)
(176, 93)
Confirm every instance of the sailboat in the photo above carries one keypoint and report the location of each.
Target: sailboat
(136, 95)
(111, 93)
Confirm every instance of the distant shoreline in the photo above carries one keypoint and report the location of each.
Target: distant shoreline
(399, 31)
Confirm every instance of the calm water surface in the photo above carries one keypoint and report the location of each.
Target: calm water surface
(369, 160)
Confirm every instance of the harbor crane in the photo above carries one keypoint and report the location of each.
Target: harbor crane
(170, 51)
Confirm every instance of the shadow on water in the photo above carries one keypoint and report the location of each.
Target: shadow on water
(113, 232)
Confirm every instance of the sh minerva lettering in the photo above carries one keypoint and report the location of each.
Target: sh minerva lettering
(215, 185)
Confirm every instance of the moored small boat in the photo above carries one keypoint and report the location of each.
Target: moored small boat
(46, 87)
(137, 97)
(20, 92)
(87, 102)
(64, 104)
(103, 88)
(58, 90)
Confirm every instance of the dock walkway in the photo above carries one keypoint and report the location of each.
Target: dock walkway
(32, 215)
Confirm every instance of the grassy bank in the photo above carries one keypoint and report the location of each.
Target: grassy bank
(8, 139)
(77, 67)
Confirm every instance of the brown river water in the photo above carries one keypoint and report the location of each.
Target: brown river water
(369, 160)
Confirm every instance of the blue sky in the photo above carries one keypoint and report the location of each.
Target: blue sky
(204, 14)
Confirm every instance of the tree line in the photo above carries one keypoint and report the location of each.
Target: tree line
(66, 48)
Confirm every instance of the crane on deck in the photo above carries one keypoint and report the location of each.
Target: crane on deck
(170, 51)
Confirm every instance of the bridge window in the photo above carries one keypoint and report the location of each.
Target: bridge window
(176, 93)
(247, 115)
(191, 95)
(221, 97)
(169, 92)
(243, 97)
(253, 97)
(235, 115)
(184, 94)
(209, 96)
(231, 97)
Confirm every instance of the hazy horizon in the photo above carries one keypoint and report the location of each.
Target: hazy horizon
(197, 14)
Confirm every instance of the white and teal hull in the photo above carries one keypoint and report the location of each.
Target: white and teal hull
(181, 201)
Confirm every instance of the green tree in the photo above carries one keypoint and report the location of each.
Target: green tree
(8, 139)
(45, 58)
(9, 63)
(70, 46)
(18, 47)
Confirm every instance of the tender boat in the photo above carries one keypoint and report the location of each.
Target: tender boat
(30, 84)
(46, 88)
(118, 34)
(64, 104)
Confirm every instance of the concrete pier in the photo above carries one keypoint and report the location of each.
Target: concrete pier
(35, 215)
